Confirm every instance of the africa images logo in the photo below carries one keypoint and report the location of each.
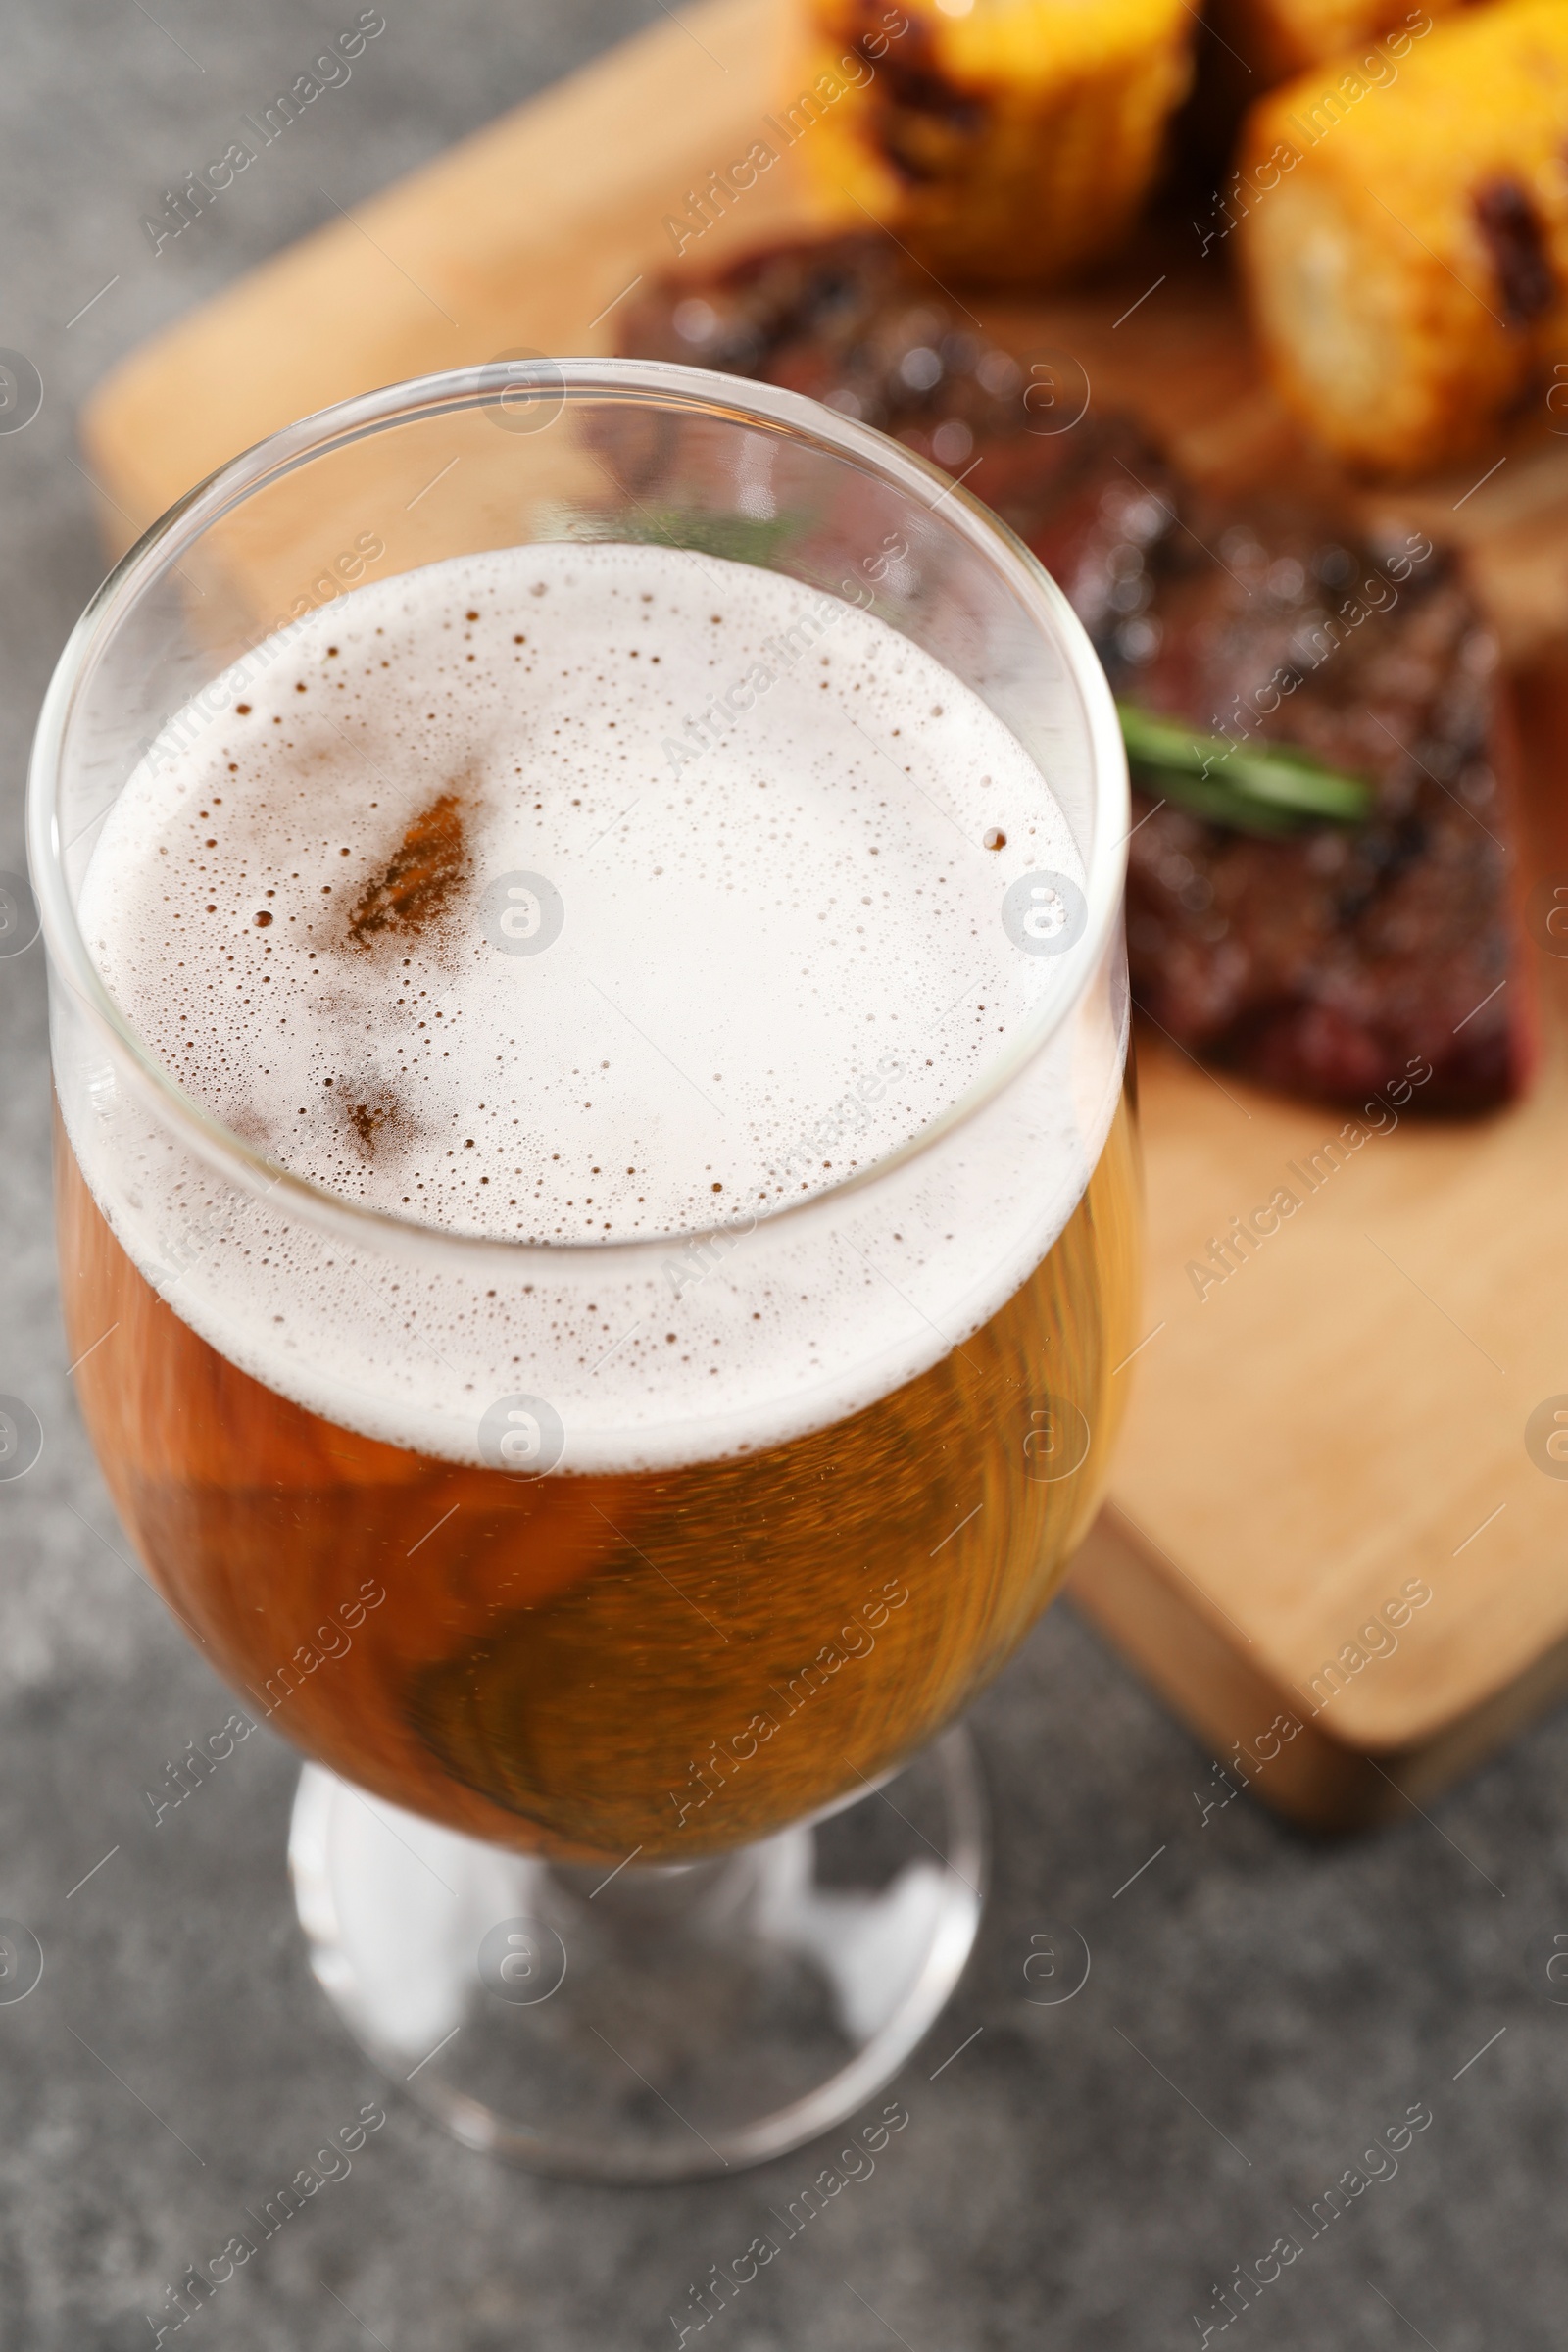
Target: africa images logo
(522, 1436)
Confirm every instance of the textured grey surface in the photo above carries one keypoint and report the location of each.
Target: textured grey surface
(1083, 2175)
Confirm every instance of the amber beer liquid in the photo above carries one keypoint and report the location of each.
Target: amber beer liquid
(782, 1497)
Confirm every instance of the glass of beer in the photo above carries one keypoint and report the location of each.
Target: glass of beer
(597, 1205)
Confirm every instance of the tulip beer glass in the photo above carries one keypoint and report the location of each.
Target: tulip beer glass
(596, 1204)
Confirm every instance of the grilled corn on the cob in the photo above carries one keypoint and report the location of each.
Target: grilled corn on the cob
(1277, 37)
(1405, 239)
(1010, 141)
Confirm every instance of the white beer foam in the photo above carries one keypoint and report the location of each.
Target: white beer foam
(720, 928)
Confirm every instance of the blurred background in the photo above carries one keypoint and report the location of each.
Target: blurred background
(1081, 2165)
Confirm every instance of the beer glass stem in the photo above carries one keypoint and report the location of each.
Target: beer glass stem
(646, 2024)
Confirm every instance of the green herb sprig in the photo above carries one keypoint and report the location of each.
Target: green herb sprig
(1272, 790)
(740, 538)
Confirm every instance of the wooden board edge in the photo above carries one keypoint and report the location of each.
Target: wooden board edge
(1202, 1671)
(1229, 1703)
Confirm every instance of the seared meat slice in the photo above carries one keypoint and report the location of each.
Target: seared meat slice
(1324, 960)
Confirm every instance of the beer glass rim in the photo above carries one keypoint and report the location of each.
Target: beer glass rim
(450, 392)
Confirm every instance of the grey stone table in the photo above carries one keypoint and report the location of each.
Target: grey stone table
(1081, 2176)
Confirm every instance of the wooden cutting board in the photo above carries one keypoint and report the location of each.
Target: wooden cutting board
(1341, 1423)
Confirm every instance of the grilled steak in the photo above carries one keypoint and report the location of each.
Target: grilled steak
(1322, 959)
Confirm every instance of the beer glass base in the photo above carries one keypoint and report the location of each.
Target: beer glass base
(650, 2023)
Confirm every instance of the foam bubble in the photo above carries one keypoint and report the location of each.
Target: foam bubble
(572, 894)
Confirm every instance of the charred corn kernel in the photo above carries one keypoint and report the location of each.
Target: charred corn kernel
(1003, 140)
(1405, 234)
(1277, 37)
